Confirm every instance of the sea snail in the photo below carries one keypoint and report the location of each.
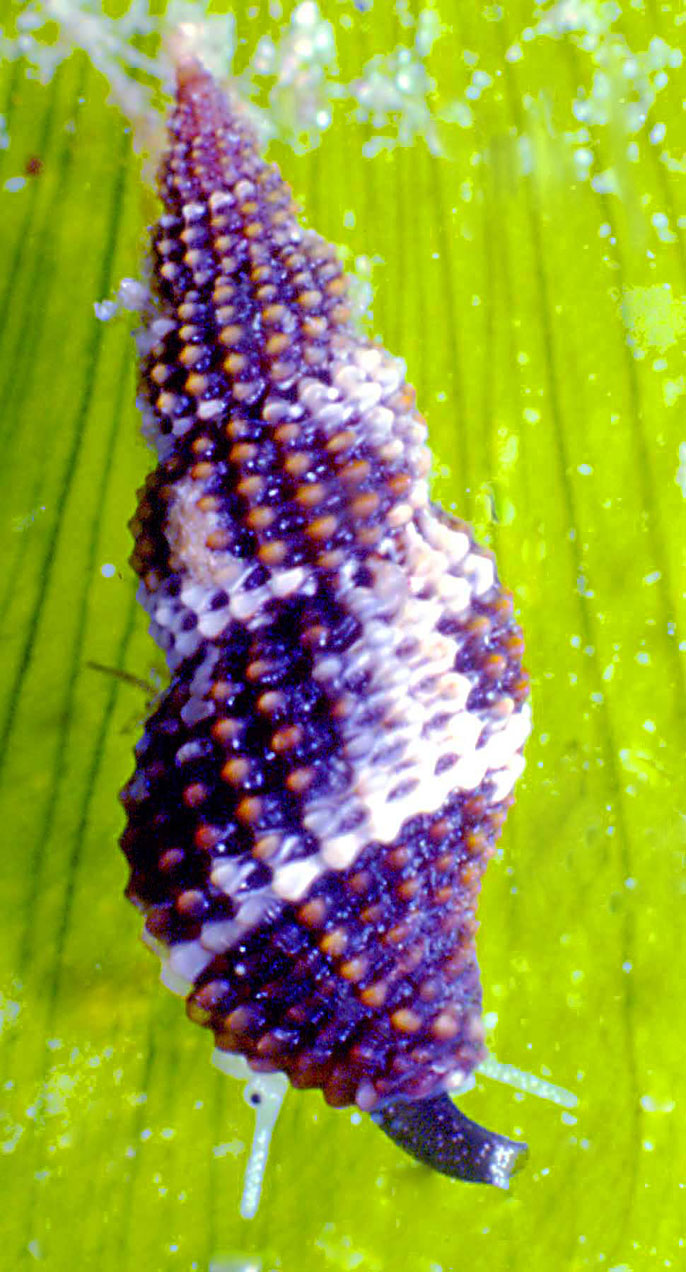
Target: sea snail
(318, 791)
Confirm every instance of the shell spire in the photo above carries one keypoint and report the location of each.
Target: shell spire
(319, 789)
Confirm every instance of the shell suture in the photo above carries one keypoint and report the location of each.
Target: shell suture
(320, 787)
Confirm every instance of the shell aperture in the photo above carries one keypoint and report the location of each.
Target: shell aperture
(319, 789)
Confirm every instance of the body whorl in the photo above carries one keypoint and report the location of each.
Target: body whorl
(319, 789)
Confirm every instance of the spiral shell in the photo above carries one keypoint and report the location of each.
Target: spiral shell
(319, 789)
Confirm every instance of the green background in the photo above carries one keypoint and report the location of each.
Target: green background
(521, 222)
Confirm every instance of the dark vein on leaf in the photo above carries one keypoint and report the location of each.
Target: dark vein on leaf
(51, 996)
(33, 871)
(499, 276)
(650, 503)
(32, 236)
(91, 360)
(429, 350)
(17, 74)
(69, 868)
(609, 746)
(124, 1227)
(449, 307)
(488, 358)
(27, 348)
(28, 322)
(653, 12)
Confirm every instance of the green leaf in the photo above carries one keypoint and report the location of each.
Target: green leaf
(514, 184)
